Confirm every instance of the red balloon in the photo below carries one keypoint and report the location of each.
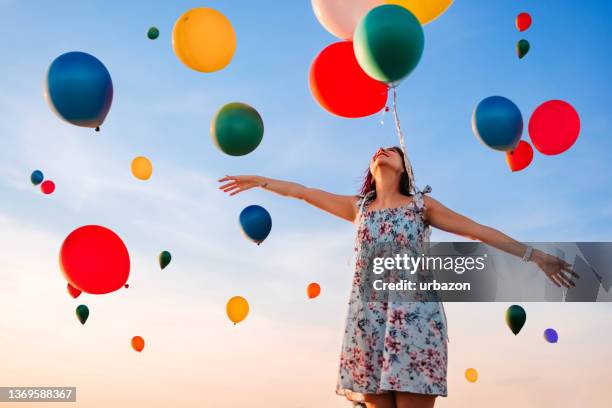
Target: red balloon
(47, 187)
(74, 292)
(554, 127)
(523, 21)
(520, 157)
(341, 87)
(95, 260)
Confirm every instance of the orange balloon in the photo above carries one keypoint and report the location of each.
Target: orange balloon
(138, 343)
(313, 290)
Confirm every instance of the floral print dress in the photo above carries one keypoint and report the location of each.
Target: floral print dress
(392, 346)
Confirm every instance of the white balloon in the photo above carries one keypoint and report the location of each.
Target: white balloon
(340, 17)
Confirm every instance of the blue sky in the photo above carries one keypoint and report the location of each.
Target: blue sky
(163, 110)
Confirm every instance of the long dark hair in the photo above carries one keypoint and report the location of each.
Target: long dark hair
(369, 185)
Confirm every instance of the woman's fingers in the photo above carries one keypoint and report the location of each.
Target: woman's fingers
(568, 269)
(565, 281)
(228, 178)
(553, 278)
(223, 187)
(233, 187)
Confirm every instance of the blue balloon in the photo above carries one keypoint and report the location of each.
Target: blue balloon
(256, 223)
(551, 335)
(79, 89)
(498, 123)
(37, 177)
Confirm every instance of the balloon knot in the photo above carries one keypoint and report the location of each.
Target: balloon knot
(97, 128)
(126, 286)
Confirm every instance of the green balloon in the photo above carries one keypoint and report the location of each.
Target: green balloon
(164, 259)
(237, 129)
(82, 313)
(388, 43)
(522, 48)
(153, 33)
(515, 318)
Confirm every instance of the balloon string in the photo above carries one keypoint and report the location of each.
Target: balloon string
(400, 134)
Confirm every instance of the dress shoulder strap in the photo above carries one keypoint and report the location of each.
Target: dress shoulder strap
(419, 197)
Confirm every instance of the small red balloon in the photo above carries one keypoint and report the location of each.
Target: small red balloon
(74, 292)
(520, 157)
(523, 21)
(313, 290)
(138, 343)
(95, 260)
(47, 187)
(341, 87)
(554, 127)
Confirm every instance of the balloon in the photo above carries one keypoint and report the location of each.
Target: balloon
(142, 168)
(313, 290)
(153, 33)
(520, 157)
(164, 259)
(515, 318)
(74, 292)
(256, 223)
(340, 17)
(523, 21)
(341, 87)
(82, 313)
(95, 260)
(388, 43)
(138, 343)
(37, 177)
(47, 187)
(424, 10)
(79, 89)
(551, 336)
(554, 127)
(471, 375)
(237, 309)
(522, 48)
(498, 123)
(204, 40)
(237, 129)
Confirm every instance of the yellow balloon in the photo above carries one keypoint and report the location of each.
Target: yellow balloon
(204, 40)
(237, 309)
(471, 375)
(424, 10)
(142, 168)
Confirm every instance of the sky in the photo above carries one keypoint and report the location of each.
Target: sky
(286, 352)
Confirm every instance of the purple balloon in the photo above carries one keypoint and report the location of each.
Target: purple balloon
(551, 336)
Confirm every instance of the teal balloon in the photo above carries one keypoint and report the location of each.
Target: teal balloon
(153, 33)
(82, 313)
(79, 89)
(522, 48)
(498, 123)
(515, 318)
(256, 223)
(37, 177)
(388, 43)
(164, 259)
(237, 129)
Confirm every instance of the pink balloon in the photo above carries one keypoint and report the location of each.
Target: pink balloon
(340, 17)
(554, 127)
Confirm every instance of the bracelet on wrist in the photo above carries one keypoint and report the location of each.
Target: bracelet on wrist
(528, 254)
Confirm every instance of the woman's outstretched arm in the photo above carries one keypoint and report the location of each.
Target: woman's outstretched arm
(559, 271)
(342, 206)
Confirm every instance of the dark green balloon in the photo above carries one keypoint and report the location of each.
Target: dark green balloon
(388, 43)
(164, 259)
(515, 318)
(522, 48)
(237, 129)
(82, 313)
(153, 33)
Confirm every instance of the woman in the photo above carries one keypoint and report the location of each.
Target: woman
(394, 355)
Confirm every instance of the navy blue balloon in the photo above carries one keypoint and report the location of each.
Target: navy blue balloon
(256, 223)
(498, 123)
(37, 177)
(79, 89)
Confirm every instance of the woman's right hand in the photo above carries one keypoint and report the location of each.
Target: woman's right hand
(238, 184)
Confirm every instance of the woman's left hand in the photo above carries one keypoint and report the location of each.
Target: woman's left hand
(557, 270)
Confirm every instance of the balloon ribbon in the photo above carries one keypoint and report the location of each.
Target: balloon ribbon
(400, 135)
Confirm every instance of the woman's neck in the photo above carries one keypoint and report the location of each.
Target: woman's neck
(387, 192)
